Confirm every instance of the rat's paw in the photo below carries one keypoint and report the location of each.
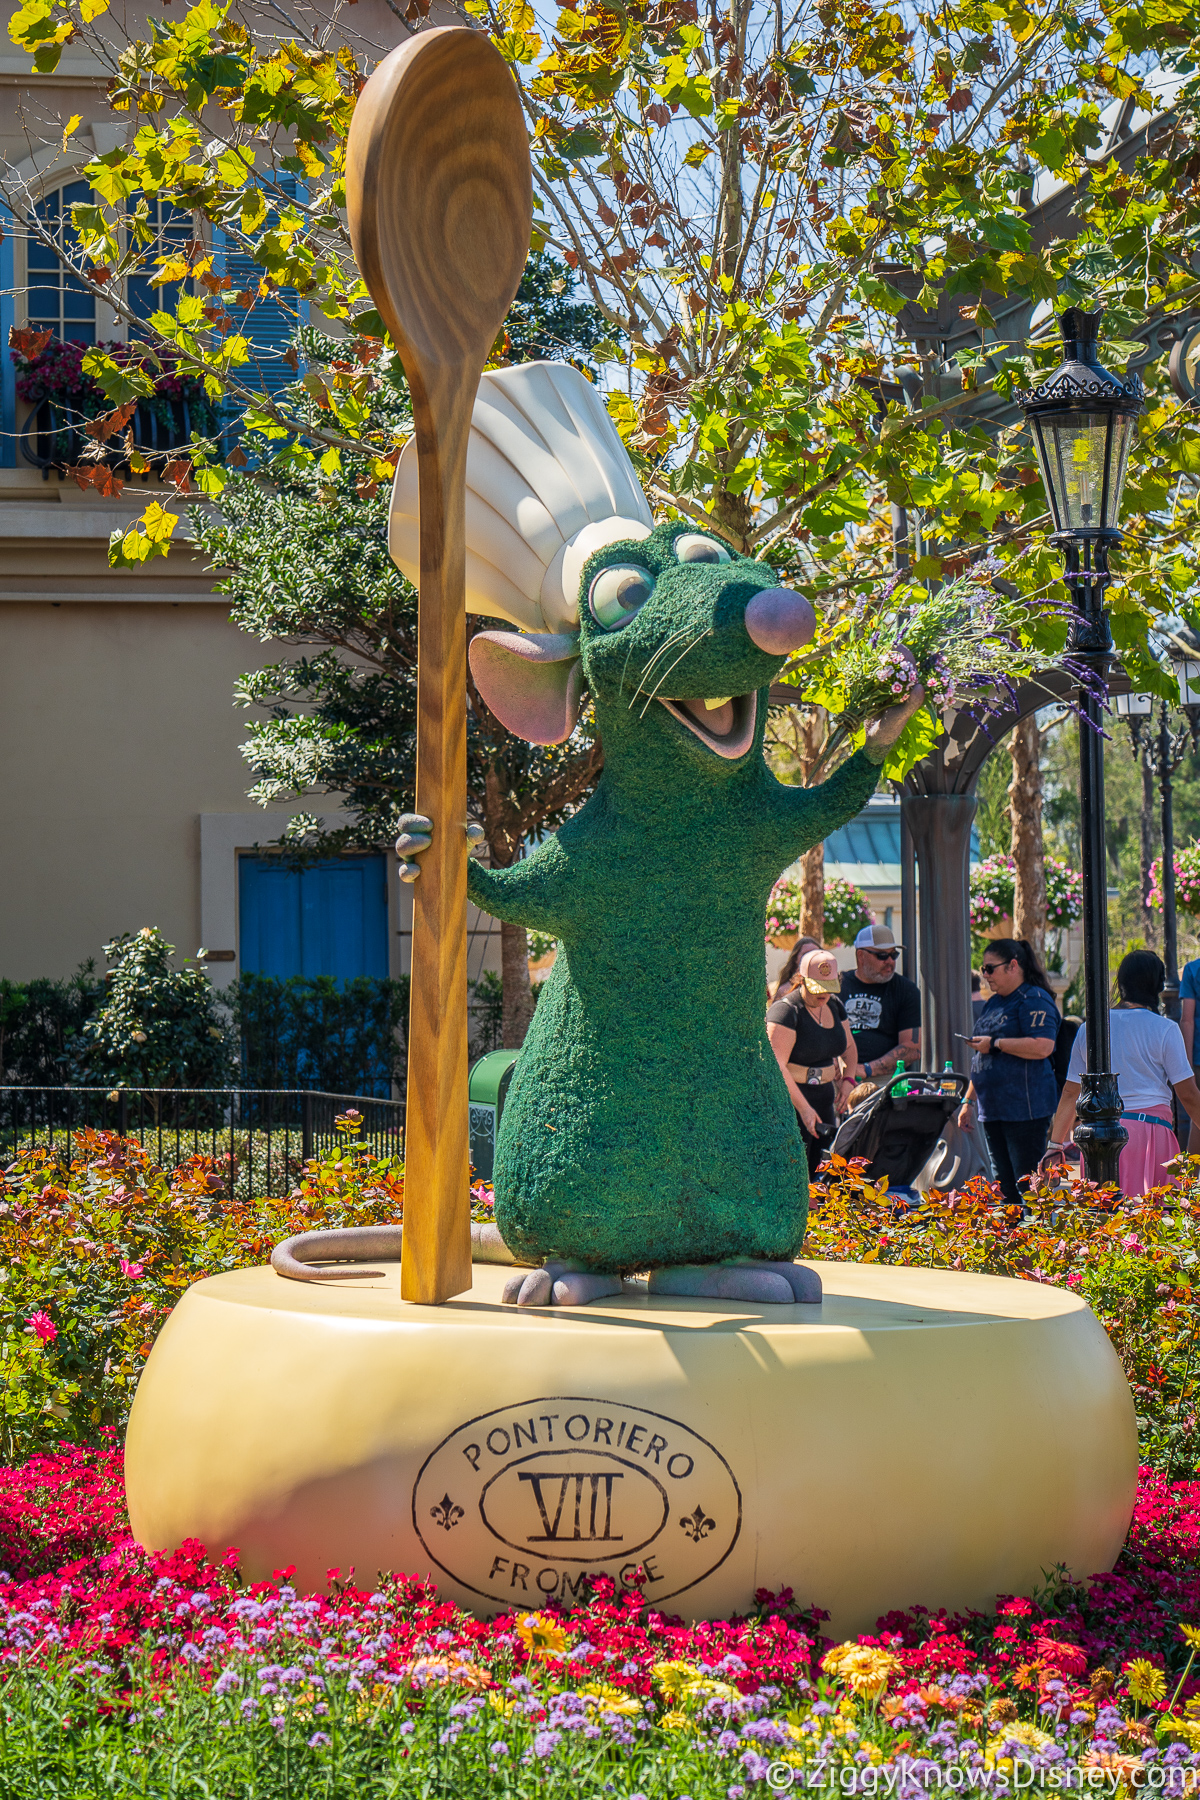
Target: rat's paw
(883, 732)
(559, 1284)
(416, 835)
(760, 1283)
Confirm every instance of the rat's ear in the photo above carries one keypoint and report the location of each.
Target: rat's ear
(533, 681)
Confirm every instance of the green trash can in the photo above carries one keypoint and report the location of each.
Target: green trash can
(487, 1087)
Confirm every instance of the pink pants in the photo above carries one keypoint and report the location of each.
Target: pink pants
(1144, 1158)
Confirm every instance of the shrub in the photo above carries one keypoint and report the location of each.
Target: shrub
(156, 1026)
(95, 1252)
(1132, 1259)
(41, 1023)
(343, 1037)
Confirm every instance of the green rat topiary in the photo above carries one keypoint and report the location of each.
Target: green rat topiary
(647, 1125)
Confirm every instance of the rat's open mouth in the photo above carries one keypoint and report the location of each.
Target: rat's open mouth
(724, 726)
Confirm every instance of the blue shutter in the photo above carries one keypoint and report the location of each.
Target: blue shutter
(268, 323)
(328, 918)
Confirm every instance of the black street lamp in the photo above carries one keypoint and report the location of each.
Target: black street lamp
(1083, 420)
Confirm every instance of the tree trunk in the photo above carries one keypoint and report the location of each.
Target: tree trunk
(812, 863)
(1149, 922)
(1028, 853)
(518, 995)
(503, 829)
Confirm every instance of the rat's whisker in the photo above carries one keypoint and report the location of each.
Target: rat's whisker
(686, 651)
(668, 644)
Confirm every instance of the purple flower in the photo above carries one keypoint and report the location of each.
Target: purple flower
(546, 1742)
(318, 1740)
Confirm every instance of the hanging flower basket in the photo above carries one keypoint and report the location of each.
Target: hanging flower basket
(993, 885)
(1187, 881)
(846, 911)
(783, 913)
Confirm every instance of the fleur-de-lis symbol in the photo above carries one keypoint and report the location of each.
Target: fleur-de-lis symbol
(445, 1513)
(698, 1525)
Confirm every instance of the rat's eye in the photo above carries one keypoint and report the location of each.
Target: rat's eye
(618, 592)
(691, 547)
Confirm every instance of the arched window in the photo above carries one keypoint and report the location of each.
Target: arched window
(56, 299)
(173, 230)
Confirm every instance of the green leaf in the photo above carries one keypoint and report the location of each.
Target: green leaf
(118, 382)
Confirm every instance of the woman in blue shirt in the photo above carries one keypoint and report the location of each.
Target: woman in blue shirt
(1012, 1076)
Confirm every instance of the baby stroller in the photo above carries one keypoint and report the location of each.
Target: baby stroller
(899, 1129)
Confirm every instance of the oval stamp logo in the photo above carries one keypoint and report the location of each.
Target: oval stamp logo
(528, 1501)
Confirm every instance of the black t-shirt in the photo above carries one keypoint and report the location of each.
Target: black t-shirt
(878, 1011)
(815, 1045)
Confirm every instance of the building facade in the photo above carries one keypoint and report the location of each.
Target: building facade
(125, 803)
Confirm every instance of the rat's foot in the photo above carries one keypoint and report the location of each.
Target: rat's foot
(777, 1283)
(559, 1284)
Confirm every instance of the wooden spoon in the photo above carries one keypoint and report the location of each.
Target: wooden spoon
(439, 192)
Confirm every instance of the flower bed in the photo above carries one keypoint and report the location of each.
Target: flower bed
(96, 1251)
(145, 1674)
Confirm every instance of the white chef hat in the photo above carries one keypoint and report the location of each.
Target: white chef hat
(549, 482)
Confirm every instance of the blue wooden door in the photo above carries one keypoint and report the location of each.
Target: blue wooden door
(329, 918)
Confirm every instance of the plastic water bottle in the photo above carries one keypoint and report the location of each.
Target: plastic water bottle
(899, 1085)
(949, 1083)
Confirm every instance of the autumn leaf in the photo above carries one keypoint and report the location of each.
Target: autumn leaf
(111, 422)
(178, 472)
(99, 476)
(29, 344)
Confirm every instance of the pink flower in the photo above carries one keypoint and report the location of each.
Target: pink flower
(43, 1325)
(132, 1270)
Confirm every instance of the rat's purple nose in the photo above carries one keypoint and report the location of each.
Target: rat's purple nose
(779, 620)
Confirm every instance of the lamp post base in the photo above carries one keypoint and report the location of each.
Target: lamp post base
(1098, 1129)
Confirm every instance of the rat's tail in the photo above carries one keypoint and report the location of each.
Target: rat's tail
(354, 1246)
(357, 1244)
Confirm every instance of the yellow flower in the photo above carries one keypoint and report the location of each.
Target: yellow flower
(439, 1668)
(542, 1636)
(613, 1699)
(1191, 1635)
(1146, 1683)
(1028, 1736)
(865, 1669)
(1186, 1729)
(678, 1721)
(703, 1688)
(675, 1677)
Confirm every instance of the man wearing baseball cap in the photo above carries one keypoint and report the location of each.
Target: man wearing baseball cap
(883, 1009)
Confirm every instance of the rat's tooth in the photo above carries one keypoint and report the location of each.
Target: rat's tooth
(712, 705)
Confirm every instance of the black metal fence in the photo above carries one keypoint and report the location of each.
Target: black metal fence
(265, 1134)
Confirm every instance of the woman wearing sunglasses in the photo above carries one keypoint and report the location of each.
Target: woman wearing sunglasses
(1012, 1075)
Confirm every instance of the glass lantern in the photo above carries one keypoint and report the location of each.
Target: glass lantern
(1083, 420)
(1132, 706)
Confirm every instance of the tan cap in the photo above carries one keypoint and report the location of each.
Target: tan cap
(876, 937)
(819, 972)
